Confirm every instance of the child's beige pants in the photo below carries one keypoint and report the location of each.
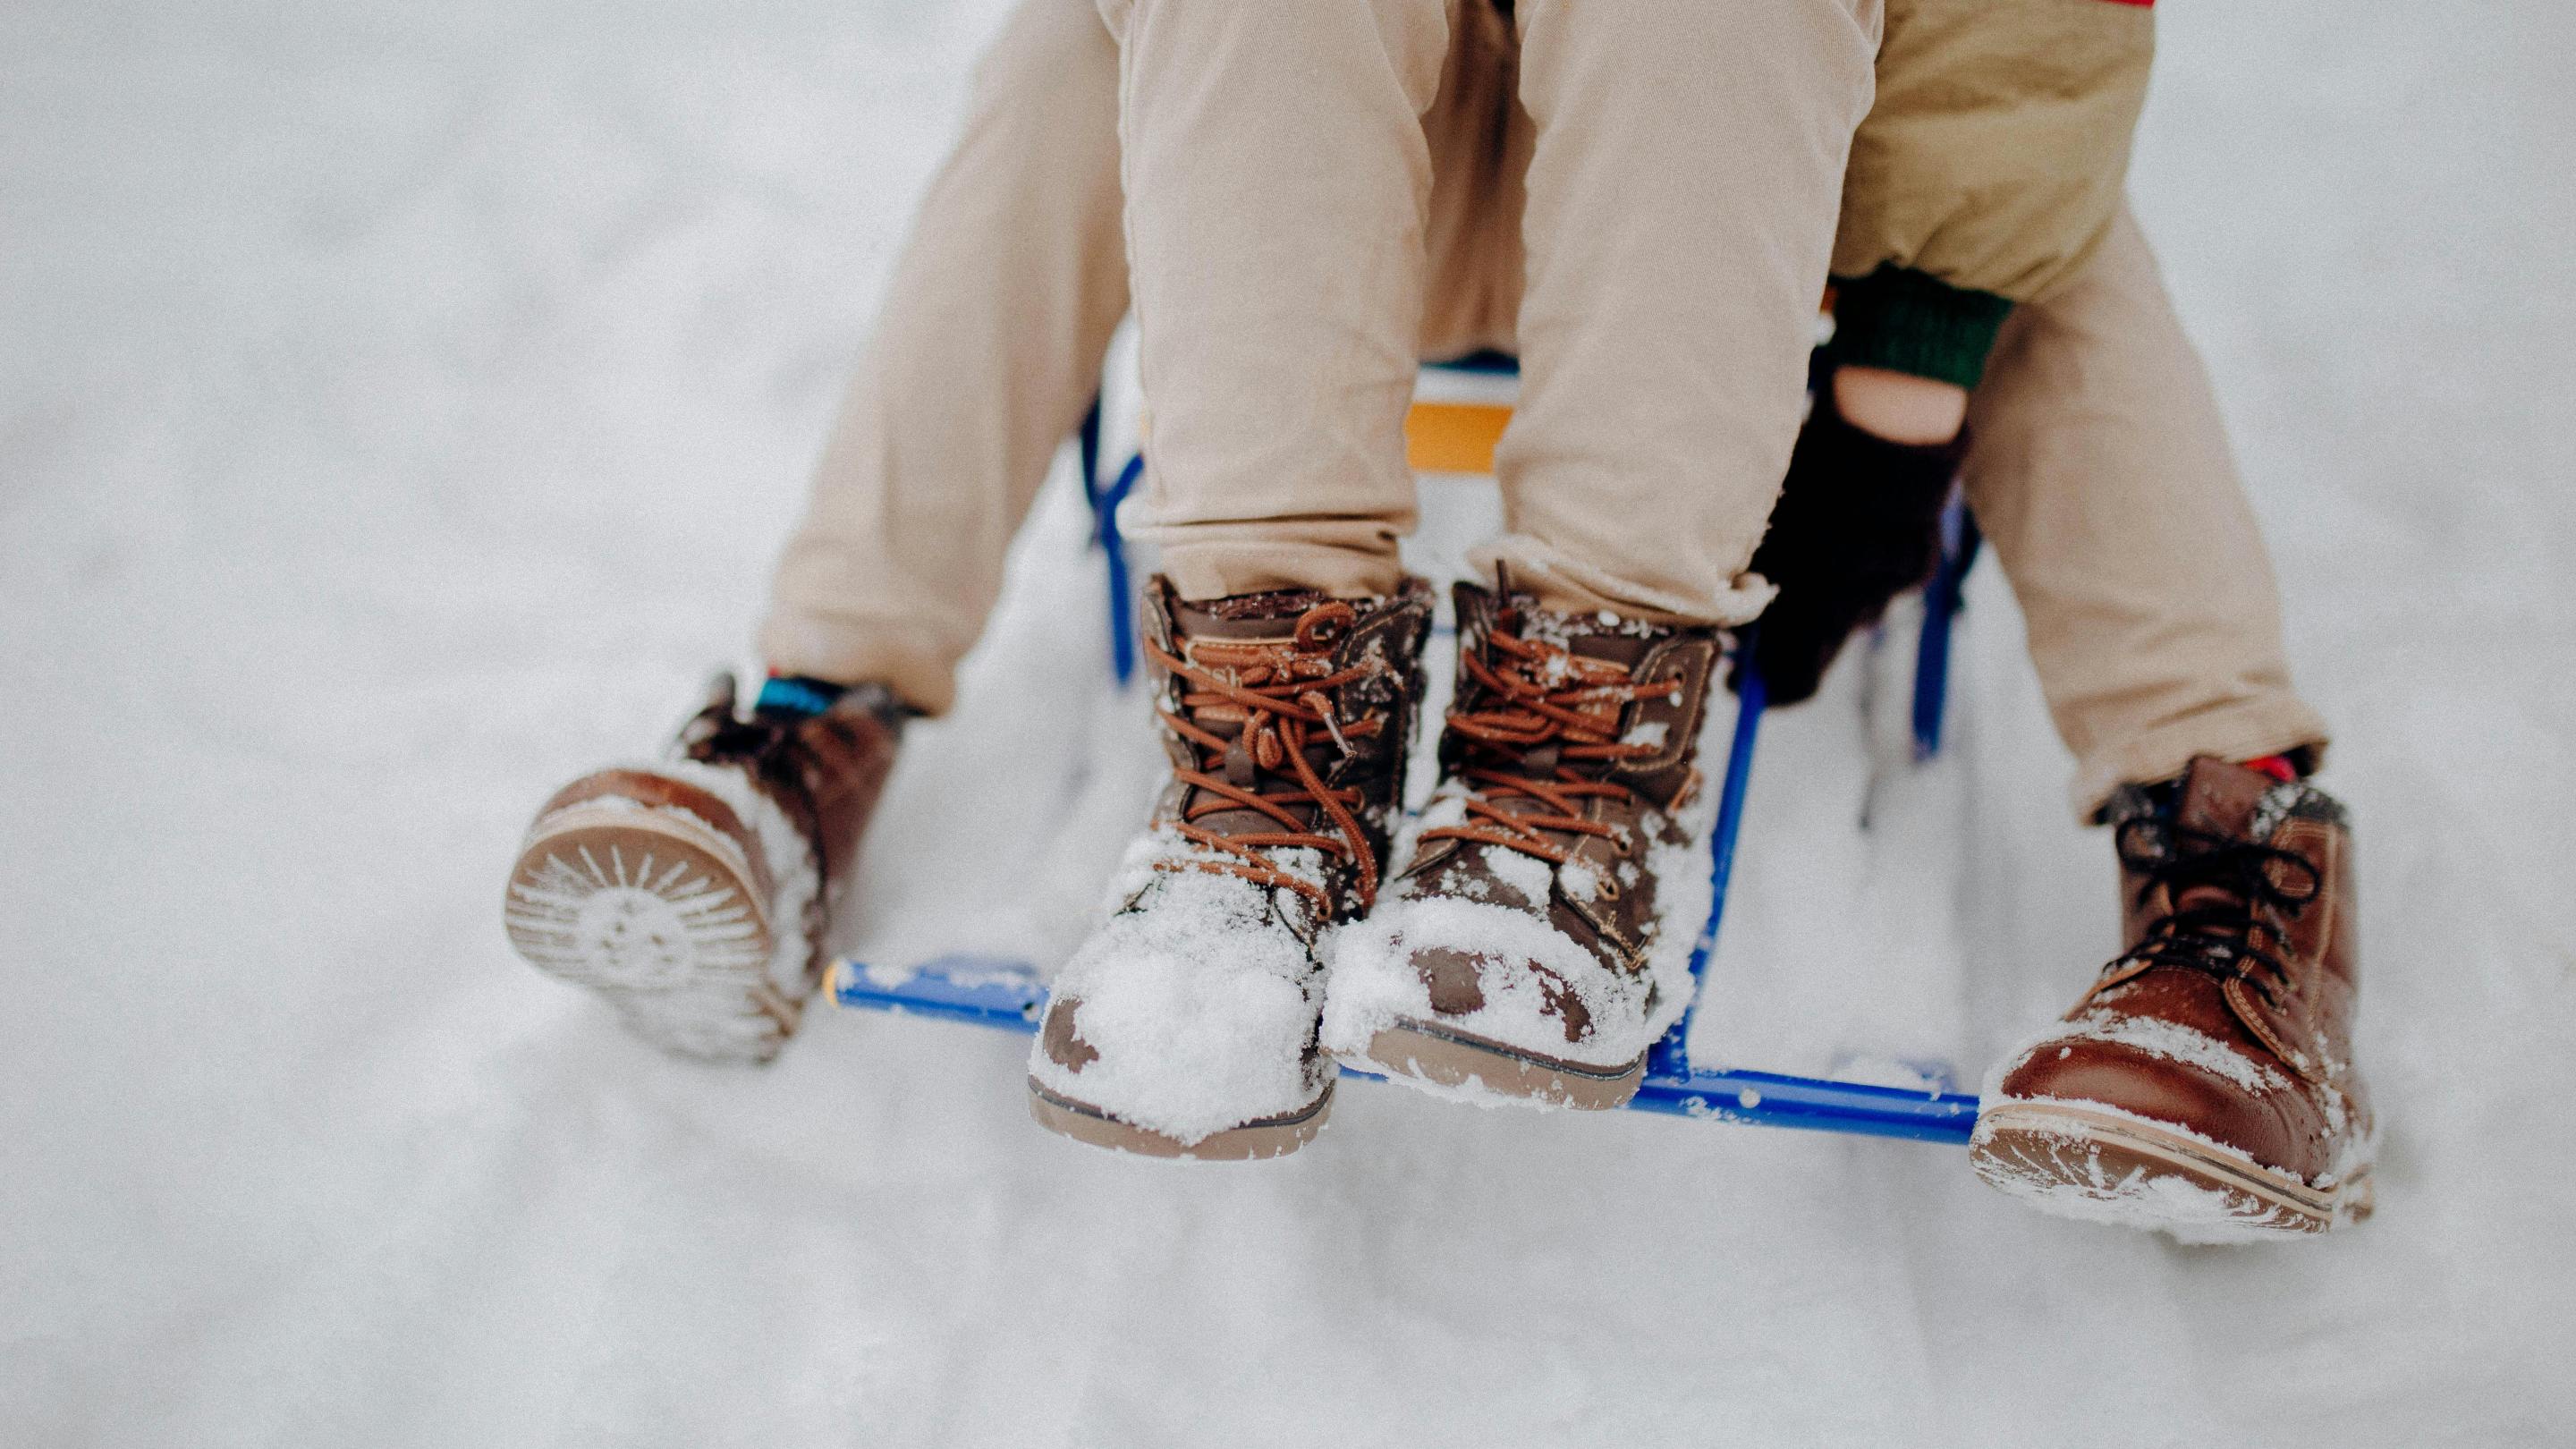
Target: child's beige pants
(1677, 211)
(2100, 467)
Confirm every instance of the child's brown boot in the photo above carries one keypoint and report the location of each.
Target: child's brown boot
(1185, 1026)
(1540, 939)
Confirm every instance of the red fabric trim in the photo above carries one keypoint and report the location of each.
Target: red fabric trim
(2276, 766)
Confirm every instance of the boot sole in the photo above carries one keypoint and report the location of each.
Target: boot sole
(2036, 1150)
(655, 912)
(1447, 1058)
(1262, 1138)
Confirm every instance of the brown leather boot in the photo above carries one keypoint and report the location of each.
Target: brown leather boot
(2205, 1085)
(1185, 1026)
(1540, 939)
(692, 893)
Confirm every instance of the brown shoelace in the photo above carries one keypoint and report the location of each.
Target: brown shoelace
(1544, 694)
(1278, 691)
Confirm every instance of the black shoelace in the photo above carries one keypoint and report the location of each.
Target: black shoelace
(2214, 937)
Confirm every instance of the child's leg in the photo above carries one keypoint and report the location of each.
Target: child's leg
(1682, 199)
(986, 352)
(2101, 473)
(1682, 191)
(1277, 179)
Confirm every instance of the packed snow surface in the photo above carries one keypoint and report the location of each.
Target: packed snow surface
(399, 407)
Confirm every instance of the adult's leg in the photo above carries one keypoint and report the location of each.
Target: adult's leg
(2100, 471)
(1682, 197)
(1277, 179)
(986, 353)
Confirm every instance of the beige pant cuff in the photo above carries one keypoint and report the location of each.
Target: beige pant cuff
(2247, 730)
(1561, 583)
(914, 662)
(1217, 570)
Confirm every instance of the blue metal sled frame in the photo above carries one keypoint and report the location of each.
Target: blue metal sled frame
(1011, 995)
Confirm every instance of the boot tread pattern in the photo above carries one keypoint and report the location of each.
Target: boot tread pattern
(656, 917)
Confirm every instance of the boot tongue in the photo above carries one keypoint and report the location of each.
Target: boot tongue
(1273, 615)
(2217, 798)
(1603, 636)
(2221, 799)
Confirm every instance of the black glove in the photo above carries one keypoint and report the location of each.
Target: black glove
(1858, 522)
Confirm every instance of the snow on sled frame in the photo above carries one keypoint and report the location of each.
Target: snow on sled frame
(1457, 436)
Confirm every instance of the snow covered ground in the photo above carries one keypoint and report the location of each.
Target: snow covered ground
(398, 408)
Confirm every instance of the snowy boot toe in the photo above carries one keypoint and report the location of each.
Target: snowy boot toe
(1185, 1026)
(689, 892)
(2204, 1087)
(1539, 941)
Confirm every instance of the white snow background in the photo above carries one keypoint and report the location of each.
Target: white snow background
(398, 411)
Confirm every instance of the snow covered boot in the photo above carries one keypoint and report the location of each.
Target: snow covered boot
(1540, 939)
(2205, 1085)
(1858, 522)
(1185, 1026)
(691, 892)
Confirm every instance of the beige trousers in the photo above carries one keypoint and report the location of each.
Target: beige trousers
(986, 354)
(2100, 466)
(1677, 213)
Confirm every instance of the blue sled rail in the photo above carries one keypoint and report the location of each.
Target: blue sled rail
(1009, 995)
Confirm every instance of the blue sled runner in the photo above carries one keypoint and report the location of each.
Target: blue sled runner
(1011, 995)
